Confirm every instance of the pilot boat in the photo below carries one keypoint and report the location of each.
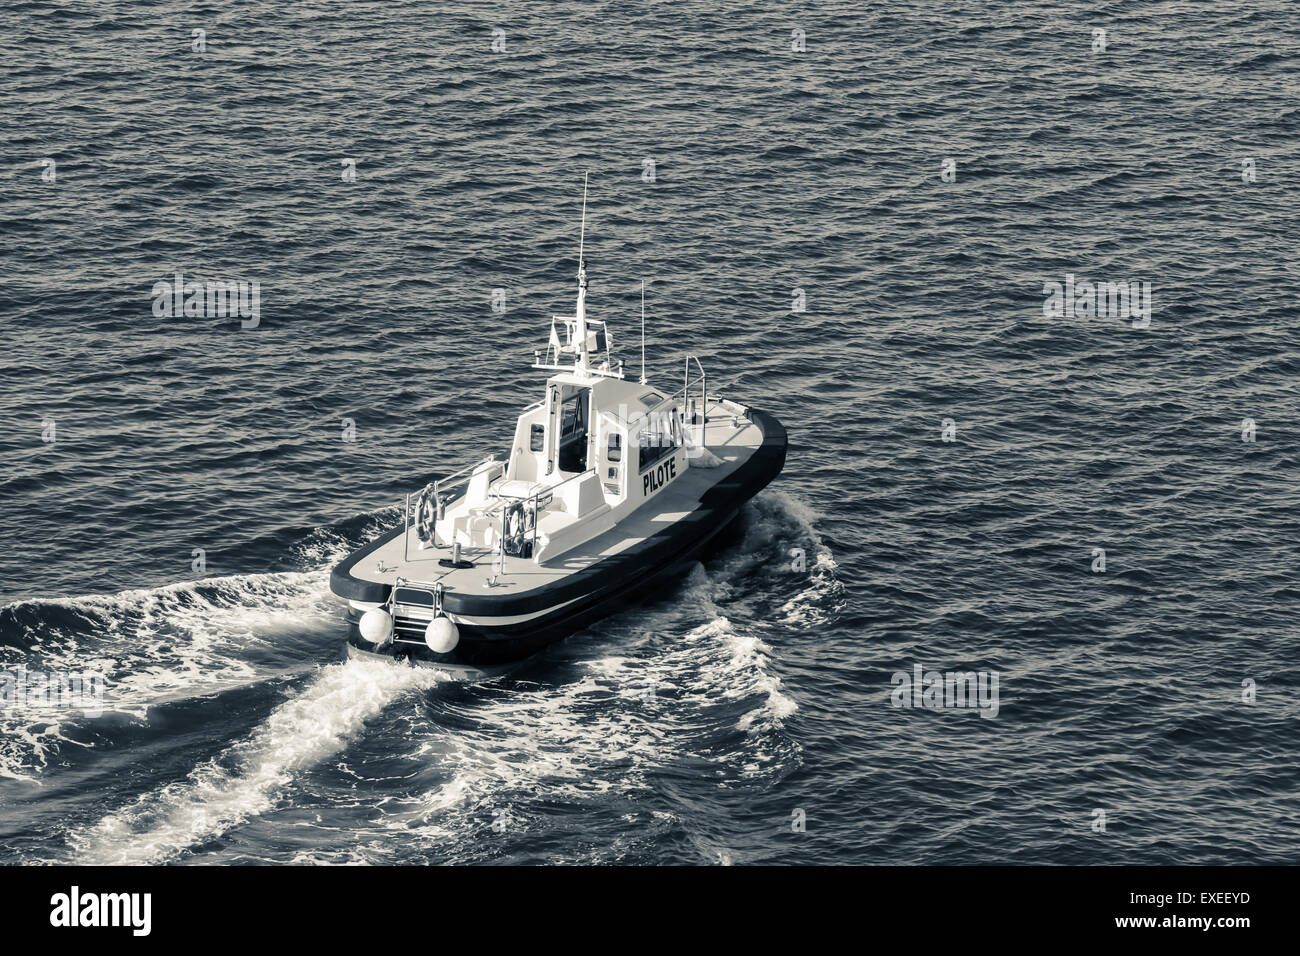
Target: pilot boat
(611, 489)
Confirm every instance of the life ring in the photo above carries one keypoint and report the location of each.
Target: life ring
(515, 530)
(426, 515)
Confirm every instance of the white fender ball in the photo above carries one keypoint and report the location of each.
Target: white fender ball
(441, 635)
(376, 625)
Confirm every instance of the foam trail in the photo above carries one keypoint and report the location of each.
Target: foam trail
(247, 779)
(155, 645)
(655, 690)
(150, 647)
(824, 592)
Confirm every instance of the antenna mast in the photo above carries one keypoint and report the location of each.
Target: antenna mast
(581, 323)
(582, 232)
(643, 331)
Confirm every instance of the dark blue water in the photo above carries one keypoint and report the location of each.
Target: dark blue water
(691, 730)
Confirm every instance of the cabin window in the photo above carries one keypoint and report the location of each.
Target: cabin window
(615, 447)
(574, 401)
(659, 438)
(572, 414)
(537, 438)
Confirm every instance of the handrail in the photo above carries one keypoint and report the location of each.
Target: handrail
(684, 393)
(465, 474)
(545, 490)
(401, 582)
(460, 477)
(549, 488)
(607, 369)
(704, 397)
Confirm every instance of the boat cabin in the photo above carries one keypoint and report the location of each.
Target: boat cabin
(594, 449)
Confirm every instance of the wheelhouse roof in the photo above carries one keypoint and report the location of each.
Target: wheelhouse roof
(610, 393)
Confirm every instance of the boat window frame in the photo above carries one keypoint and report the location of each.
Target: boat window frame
(574, 403)
(647, 459)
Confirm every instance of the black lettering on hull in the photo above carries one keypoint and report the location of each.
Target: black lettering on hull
(656, 478)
